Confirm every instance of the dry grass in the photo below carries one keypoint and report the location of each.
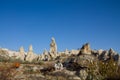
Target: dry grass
(7, 71)
(106, 70)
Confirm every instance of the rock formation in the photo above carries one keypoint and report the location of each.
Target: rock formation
(74, 52)
(53, 48)
(46, 55)
(40, 57)
(100, 51)
(111, 52)
(45, 52)
(58, 65)
(30, 55)
(67, 52)
(83, 74)
(21, 54)
(4, 55)
(85, 49)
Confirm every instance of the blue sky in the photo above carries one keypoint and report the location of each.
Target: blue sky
(71, 22)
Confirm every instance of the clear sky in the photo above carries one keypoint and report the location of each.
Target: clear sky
(71, 22)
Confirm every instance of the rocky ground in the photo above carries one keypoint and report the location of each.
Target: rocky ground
(45, 71)
(82, 67)
(86, 65)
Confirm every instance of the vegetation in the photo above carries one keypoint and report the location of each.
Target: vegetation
(96, 69)
(109, 70)
(100, 70)
(7, 71)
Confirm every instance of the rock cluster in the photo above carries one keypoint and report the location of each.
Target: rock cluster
(53, 54)
(77, 64)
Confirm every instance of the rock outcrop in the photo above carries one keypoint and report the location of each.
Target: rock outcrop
(21, 54)
(111, 52)
(53, 48)
(85, 49)
(74, 52)
(67, 52)
(30, 55)
(4, 55)
(46, 55)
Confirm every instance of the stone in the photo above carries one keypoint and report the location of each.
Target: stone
(30, 49)
(67, 52)
(22, 50)
(35, 69)
(83, 74)
(42, 56)
(74, 78)
(30, 55)
(85, 49)
(58, 66)
(46, 55)
(4, 54)
(53, 48)
(70, 73)
(22, 54)
(111, 52)
(100, 51)
(45, 52)
(74, 52)
(103, 55)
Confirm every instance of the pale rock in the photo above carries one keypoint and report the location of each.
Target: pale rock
(74, 52)
(85, 49)
(35, 69)
(46, 55)
(83, 74)
(30, 55)
(100, 51)
(22, 54)
(111, 52)
(40, 57)
(67, 52)
(45, 52)
(58, 66)
(53, 48)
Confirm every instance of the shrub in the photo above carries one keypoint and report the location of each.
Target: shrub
(108, 69)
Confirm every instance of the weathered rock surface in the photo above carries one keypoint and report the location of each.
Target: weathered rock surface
(30, 55)
(53, 48)
(21, 54)
(85, 49)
